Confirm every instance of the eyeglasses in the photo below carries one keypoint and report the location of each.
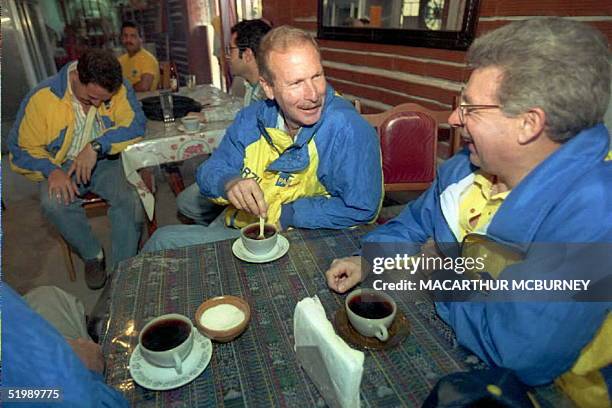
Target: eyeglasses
(466, 108)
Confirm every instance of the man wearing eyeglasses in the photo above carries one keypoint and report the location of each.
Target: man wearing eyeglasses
(536, 170)
(241, 55)
(67, 135)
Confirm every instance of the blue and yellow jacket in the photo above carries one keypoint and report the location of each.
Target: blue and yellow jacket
(566, 199)
(329, 177)
(43, 131)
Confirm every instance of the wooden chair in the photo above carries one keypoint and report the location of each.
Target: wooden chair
(93, 205)
(408, 137)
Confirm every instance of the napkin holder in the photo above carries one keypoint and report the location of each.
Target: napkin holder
(334, 367)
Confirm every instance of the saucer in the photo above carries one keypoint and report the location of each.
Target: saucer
(399, 330)
(161, 378)
(181, 128)
(281, 248)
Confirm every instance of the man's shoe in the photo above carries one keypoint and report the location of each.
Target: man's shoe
(95, 273)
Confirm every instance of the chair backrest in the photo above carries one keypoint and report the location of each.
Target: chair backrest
(408, 137)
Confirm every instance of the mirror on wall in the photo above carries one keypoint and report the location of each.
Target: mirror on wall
(446, 24)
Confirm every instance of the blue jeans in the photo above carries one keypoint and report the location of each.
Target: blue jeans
(125, 213)
(177, 236)
(193, 205)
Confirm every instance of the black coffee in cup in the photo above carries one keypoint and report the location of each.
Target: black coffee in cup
(165, 334)
(370, 306)
(253, 232)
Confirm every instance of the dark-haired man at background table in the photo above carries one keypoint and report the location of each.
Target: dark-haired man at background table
(241, 55)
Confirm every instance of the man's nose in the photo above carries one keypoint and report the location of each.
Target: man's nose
(454, 120)
(310, 91)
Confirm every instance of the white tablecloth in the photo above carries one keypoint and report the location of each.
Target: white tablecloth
(165, 143)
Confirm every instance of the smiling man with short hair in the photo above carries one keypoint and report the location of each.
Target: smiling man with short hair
(68, 132)
(305, 158)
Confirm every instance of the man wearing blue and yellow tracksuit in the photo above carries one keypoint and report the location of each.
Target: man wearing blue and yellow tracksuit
(65, 131)
(305, 158)
(535, 180)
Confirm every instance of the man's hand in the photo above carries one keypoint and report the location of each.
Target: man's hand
(344, 273)
(61, 187)
(89, 353)
(84, 164)
(245, 194)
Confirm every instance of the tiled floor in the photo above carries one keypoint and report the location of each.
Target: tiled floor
(31, 252)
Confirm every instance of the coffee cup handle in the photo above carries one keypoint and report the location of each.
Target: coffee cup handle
(178, 363)
(382, 334)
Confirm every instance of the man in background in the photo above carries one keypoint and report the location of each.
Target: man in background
(241, 55)
(138, 65)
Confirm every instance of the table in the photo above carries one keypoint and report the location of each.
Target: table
(259, 369)
(165, 143)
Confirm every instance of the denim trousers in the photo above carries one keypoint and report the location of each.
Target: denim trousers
(177, 236)
(125, 213)
(195, 206)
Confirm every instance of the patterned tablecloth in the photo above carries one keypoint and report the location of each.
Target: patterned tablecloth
(259, 369)
(165, 142)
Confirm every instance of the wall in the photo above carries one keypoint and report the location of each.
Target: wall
(387, 75)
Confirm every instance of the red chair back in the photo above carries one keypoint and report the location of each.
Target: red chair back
(408, 142)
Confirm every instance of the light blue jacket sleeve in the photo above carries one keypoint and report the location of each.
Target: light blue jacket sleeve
(35, 355)
(352, 175)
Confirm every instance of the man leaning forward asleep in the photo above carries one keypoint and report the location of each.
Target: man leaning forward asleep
(67, 135)
(536, 170)
(305, 158)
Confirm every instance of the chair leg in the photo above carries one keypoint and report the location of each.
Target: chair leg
(68, 259)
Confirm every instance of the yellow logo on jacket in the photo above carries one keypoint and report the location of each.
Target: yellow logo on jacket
(278, 187)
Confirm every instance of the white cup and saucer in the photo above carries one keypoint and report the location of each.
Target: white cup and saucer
(190, 124)
(371, 312)
(250, 248)
(170, 353)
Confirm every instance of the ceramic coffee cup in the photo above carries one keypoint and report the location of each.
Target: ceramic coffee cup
(191, 123)
(167, 340)
(252, 243)
(370, 312)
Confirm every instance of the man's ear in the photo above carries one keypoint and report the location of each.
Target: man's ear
(267, 87)
(247, 55)
(532, 126)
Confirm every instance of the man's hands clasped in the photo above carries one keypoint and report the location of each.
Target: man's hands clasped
(61, 185)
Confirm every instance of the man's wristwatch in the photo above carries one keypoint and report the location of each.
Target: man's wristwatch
(97, 147)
